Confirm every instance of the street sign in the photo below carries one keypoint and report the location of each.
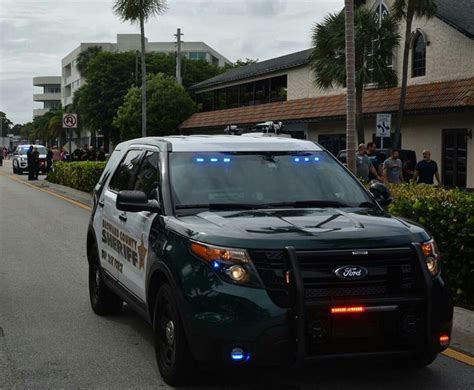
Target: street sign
(383, 125)
(70, 121)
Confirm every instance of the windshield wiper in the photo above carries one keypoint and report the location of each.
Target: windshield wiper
(310, 203)
(223, 206)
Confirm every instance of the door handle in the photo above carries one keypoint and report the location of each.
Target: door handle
(123, 217)
(100, 203)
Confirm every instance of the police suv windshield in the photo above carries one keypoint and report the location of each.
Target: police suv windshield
(41, 150)
(262, 180)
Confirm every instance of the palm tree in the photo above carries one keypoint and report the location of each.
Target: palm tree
(408, 9)
(139, 11)
(351, 86)
(374, 44)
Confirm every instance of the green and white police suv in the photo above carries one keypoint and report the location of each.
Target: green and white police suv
(260, 251)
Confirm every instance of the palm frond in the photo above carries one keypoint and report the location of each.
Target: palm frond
(133, 10)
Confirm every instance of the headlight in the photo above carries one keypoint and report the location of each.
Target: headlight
(432, 256)
(233, 265)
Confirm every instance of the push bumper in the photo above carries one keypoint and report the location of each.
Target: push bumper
(272, 335)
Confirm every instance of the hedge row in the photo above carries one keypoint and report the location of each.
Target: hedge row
(447, 214)
(449, 217)
(82, 175)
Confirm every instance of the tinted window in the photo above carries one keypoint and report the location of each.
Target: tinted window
(124, 177)
(110, 165)
(148, 176)
(260, 178)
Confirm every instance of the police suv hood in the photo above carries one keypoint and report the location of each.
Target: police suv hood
(315, 228)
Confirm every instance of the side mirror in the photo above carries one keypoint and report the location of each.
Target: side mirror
(381, 193)
(135, 201)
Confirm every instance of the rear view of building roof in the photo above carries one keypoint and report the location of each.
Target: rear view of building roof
(457, 13)
(274, 65)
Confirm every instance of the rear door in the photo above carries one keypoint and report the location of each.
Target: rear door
(138, 225)
(114, 247)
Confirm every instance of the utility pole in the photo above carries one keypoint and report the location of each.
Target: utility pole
(179, 78)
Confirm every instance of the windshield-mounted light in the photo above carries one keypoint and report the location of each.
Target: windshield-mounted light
(233, 265)
(432, 256)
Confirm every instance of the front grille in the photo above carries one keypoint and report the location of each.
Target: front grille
(390, 272)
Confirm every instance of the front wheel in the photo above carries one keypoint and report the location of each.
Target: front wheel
(103, 300)
(171, 348)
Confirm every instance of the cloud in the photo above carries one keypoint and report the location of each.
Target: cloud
(36, 34)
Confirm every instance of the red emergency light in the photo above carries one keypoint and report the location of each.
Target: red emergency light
(347, 309)
(444, 340)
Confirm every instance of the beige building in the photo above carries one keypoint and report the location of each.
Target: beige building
(50, 95)
(440, 101)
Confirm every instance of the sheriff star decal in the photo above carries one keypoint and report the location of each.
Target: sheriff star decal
(142, 254)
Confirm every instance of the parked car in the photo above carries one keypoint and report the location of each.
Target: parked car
(20, 161)
(407, 156)
(244, 251)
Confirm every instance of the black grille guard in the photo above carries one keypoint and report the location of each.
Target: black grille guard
(298, 305)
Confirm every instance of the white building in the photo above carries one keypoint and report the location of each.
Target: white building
(71, 77)
(439, 108)
(50, 96)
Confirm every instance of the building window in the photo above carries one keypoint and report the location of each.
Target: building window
(197, 55)
(258, 92)
(333, 142)
(262, 91)
(278, 88)
(381, 13)
(233, 97)
(419, 55)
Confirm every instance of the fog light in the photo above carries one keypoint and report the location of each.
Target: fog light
(432, 265)
(237, 273)
(238, 354)
(347, 310)
(444, 340)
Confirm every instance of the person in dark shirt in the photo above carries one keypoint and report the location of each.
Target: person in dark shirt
(376, 161)
(426, 169)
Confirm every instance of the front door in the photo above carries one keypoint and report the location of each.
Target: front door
(139, 225)
(454, 157)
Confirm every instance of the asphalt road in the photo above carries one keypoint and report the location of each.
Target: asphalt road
(51, 339)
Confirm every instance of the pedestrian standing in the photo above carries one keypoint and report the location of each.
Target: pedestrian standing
(56, 154)
(376, 161)
(364, 164)
(101, 154)
(426, 169)
(36, 162)
(392, 167)
(30, 162)
(49, 161)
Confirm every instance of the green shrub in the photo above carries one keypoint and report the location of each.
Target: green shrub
(82, 176)
(449, 216)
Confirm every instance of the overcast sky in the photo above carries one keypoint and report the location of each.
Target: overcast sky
(36, 34)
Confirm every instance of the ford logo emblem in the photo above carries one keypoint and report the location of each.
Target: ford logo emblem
(351, 272)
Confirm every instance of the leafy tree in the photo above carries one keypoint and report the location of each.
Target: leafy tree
(408, 9)
(241, 62)
(168, 105)
(5, 124)
(109, 76)
(139, 11)
(15, 130)
(374, 44)
(85, 57)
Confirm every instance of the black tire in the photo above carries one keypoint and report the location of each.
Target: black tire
(171, 347)
(14, 169)
(103, 300)
(20, 172)
(424, 359)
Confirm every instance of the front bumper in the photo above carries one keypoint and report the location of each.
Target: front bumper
(233, 316)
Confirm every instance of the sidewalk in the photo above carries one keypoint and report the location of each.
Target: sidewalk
(463, 326)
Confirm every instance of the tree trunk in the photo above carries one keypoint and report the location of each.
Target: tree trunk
(142, 32)
(360, 114)
(403, 92)
(350, 81)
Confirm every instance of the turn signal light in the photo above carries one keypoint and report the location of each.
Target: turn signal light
(347, 310)
(444, 340)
